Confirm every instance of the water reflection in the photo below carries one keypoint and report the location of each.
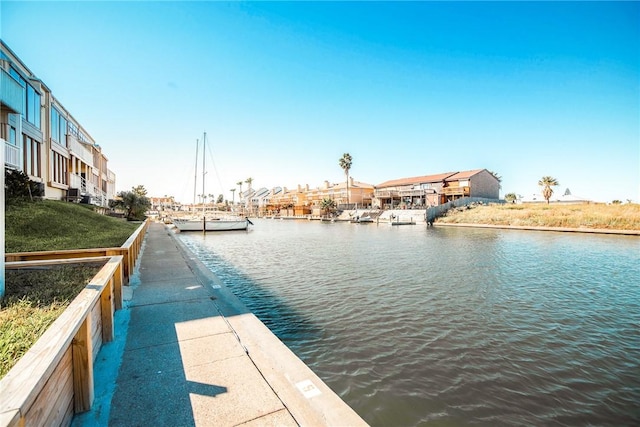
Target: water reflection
(415, 326)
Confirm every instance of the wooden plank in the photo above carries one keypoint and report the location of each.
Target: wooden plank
(56, 395)
(81, 349)
(118, 280)
(96, 329)
(53, 262)
(65, 254)
(11, 418)
(107, 312)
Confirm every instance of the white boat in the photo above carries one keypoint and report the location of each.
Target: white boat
(204, 223)
(211, 224)
(365, 220)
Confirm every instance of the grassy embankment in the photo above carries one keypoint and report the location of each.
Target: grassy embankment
(36, 297)
(591, 216)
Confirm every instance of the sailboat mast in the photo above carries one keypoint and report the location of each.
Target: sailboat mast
(204, 171)
(195, 178)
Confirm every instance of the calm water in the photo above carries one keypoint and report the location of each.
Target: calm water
(447, 326)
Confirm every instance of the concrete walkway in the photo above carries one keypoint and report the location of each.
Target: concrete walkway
(194, 355)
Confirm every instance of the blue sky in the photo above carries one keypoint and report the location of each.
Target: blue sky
(407, 88)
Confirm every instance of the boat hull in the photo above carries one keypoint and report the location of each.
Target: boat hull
(211, 225)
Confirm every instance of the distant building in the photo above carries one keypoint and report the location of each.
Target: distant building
(42, 139)
(565, 198)
(432, 190)
(303, 200)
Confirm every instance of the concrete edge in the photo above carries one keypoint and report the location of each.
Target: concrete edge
(532, 228)
(309, 400)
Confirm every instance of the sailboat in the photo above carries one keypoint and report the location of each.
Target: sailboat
(211, 223)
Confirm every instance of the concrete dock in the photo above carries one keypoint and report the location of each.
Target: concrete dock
(194, 355)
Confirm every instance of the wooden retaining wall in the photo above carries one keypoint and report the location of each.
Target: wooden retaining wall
(130, 251)
(54, 379)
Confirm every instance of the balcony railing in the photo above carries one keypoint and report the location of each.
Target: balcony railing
(11, 156)
(456, 191)
(79, 150)
(98, 197)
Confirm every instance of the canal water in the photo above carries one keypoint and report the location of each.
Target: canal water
(448, 326)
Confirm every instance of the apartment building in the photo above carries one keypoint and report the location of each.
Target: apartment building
(42, 139)
(432, 190)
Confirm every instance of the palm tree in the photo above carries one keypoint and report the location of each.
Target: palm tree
(345, 163)
(511, 197)
(239, 184)
(547, 182)
(328, 205)
(233, 195)
(249, 181)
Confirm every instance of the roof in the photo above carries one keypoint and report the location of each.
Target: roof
(355, 184)
(464, 175)
(416, 180)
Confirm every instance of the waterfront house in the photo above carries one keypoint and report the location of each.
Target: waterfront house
(42, 139)
(257, 201)
(289, 203)
(360, 194)
(420, 192)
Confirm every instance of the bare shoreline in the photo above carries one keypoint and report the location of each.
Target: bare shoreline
(534, 228)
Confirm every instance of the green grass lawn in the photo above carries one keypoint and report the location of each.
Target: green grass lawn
(53, 225)
(36, 297)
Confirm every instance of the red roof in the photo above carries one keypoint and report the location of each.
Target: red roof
(464, 175)
(425, 179)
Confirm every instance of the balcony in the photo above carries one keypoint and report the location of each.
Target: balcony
(79, 150)
(456, 191)
(11, 93)
(385, 193)
(11, 155)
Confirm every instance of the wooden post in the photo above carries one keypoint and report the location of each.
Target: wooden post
(82, 354)
(118, 280)
(106, 311)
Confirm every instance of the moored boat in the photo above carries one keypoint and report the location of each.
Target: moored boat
(211, 224)
(204, 223)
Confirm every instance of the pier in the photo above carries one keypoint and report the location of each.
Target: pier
(194, 355)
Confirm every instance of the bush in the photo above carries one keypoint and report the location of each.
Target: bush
(18, 187)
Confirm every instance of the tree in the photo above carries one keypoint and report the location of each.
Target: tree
(498, 177)
(345, 163)
(139, 190)
(239, 183)
(249, 181)
(546, 182)
(511, 197)
(133, 203)
(233, 195)
(328, 205)
(220, 199)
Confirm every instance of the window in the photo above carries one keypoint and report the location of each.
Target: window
(31, 100)
(31, 154)
(58, 127)
(55, 125)
(58, 168)
(13, 137)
